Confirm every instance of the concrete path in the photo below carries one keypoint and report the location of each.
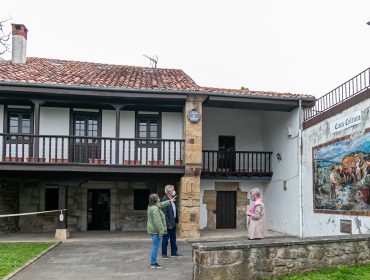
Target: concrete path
(112, 255)
(100, 258)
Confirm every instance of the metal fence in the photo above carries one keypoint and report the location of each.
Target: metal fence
(352, 87)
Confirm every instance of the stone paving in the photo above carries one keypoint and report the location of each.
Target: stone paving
(111, 255)
(99, 257)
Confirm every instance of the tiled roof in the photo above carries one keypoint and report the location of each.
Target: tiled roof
(76, 73)
(246, 92)
(62, 72)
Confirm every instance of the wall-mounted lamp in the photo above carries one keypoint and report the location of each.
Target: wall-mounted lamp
(278, 156)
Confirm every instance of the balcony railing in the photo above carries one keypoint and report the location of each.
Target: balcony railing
(354, 86)
(51, 149)
(239, 163)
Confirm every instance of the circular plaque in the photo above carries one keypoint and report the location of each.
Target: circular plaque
(193, 116)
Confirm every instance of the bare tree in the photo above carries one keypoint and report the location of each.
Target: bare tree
(4, 38)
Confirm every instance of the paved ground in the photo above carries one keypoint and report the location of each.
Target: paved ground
(214, 235)
(107, 259)
(112, 255)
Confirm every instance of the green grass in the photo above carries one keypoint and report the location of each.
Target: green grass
(357, 272)
(14, 255)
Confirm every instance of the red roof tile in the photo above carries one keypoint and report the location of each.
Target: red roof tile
(62, 72)
(76, 73)
(246, 92)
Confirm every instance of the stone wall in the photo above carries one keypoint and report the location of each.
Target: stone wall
(9, 204)
(122, 215)
(32, 199)
(210, 199)
(260, 259)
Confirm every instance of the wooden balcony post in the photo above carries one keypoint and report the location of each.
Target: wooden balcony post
(36, 116)
(118, 108)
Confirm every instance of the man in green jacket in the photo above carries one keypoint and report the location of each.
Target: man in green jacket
(156, 225)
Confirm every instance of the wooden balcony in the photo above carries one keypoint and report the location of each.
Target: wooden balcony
(236, 164)
(79, 153)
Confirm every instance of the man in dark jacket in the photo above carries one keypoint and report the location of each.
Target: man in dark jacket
(172, 219)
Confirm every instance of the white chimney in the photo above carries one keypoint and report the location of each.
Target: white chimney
(19, 43)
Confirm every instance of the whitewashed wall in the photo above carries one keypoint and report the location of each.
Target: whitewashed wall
(245, 186)
(54, 121)
(127, 124)
(108, 130)
(2, 118)
(318, 224)
(282, 206)
(245, 125)
(262, 131)
(172, 125)
(172, 128)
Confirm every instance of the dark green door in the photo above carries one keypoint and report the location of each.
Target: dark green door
(226, 209)
(98, 215)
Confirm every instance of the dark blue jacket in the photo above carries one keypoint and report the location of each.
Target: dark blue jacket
(168, 212)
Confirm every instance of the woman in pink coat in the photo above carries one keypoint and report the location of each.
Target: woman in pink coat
(256, 217)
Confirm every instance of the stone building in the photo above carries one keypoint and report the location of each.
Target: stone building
(97, 139)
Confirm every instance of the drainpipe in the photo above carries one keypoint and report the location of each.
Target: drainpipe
(300, 160)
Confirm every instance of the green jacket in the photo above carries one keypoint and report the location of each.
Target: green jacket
(156, 219)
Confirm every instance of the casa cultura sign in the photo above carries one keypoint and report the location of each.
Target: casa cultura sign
(345, 122)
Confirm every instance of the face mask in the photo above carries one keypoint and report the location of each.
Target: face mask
(158, 200)
(253, 198)
(173, 193)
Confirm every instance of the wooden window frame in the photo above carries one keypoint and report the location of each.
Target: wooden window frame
(148, 116)
(73, 115)
(18, 111)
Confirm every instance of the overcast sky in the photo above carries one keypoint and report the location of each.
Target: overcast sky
(293, 46)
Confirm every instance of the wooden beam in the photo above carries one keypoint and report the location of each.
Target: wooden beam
(90, 168)
(63, 204)
(36, 117)
(14, 90)
(118, 108)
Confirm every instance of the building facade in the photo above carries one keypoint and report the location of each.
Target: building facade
(97, 139)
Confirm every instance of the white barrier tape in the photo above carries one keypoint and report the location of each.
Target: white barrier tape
(31, 213)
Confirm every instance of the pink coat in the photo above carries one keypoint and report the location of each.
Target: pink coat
(257, 223)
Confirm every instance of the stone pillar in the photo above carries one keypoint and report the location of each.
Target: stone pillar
(189, 188)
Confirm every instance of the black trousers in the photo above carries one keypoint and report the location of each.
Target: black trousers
(171, 235)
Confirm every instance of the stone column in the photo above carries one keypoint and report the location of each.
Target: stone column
(189, 188)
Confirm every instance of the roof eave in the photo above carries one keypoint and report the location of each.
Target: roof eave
(157, 91)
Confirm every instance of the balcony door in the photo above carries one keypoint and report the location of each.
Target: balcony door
(86, 127)
(226, 153)
(98, 213)
(226, 209)
(148, 150)
(19, 121)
